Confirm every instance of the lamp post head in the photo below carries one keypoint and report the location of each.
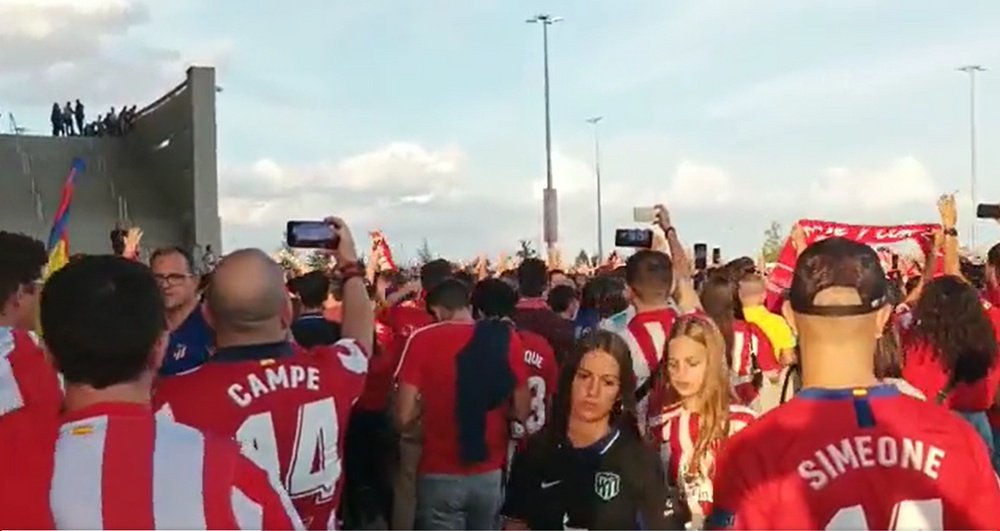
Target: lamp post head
(544, 19)
(594, 120)
(971, 68)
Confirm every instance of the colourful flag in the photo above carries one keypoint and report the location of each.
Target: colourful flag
(58, 245)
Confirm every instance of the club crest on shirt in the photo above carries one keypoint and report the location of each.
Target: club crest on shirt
(607, 485)
(180, 352)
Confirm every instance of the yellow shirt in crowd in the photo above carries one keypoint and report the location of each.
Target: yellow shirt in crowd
(774, 326)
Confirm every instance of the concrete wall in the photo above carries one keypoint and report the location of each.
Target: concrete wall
(162, 176)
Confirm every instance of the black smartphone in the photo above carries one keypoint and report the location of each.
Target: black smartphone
(716, 256)
(988, 211)
(638, 238)
(700, 256)
(311, 235)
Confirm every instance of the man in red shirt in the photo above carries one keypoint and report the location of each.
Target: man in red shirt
(464, 374)
(112, 464)
(533, 311)
(401, 320)
(992, 296)
(288, 406)
(645, 325)
(495, 299)
(846, 452)
(28, 383)
(993, 275)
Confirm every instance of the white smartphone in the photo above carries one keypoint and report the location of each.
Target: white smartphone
(644, 214)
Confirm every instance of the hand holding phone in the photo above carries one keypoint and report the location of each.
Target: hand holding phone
(310, 235)
(331, 234)
(345, 250)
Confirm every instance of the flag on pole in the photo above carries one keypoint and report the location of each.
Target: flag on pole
(58, 244)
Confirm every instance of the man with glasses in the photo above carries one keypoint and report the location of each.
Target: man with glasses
(847, 452)
(191, 339)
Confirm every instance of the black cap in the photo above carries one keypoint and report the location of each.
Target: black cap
(843, 263)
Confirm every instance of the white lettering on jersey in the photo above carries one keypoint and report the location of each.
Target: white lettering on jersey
(862, 451)
(533, 359)
(275, 378)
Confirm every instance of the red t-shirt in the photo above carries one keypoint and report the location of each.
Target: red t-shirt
(749, 341)
(114, 466)
(674, 432)
(378, 385)
(856, 459)
(27, 442)
(28, 383)
(393, 328)
(922, 370)
(288, 406)
(428, 364)
(543, 378)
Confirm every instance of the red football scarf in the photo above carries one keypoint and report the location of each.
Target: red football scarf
(781, 277)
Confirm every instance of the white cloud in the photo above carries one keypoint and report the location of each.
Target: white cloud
(400, 173)
(402, 167)
(570, 176)
(903, 181)
(699, 185)
(58, 50)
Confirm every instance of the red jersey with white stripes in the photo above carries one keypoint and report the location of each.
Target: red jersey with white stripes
(114, 466)
(28, 383)
(289, 408)
(675, 432)
(543, 377)
(646, 335)
(750, 346)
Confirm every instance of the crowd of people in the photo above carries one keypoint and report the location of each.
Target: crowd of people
(634, 395)
(70, 120)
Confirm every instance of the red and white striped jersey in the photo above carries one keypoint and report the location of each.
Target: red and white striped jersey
(28, 383)
(749, 341)
(675, 431)
(646, 335)
(288, 407)
(116, 466)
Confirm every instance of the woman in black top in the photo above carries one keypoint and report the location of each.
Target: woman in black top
(588, 468)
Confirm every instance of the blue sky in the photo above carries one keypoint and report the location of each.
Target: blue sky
(424, 118)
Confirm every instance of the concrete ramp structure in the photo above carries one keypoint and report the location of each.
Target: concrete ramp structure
(161, 176)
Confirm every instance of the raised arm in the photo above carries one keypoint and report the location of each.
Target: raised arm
(949, 221)
(359, 316)
(685, 294)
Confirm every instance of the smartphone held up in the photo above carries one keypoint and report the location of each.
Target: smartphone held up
(988, 211)
(634, 238)
(311, 235)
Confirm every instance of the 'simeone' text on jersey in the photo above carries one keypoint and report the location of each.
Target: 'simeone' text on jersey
(864, 451)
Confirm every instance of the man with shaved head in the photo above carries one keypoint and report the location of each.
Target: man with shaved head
(288, 405)
(848, 452)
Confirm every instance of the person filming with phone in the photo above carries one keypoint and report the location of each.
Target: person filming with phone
(287, 403)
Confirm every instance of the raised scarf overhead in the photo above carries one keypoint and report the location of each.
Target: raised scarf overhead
(780, 278)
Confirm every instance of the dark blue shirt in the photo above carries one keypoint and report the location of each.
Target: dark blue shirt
(190, 345)
(312, 330)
